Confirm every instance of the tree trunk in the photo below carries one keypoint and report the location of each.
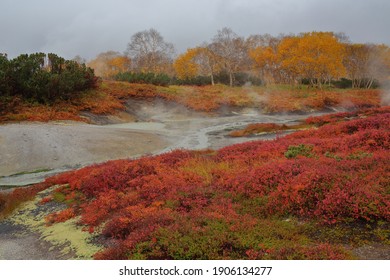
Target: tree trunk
(369, 83)
(212, 79)
(359, 83)
(231, 78)
(312, 84)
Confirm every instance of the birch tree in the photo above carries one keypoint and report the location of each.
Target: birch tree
(232, 50)
(149, 52)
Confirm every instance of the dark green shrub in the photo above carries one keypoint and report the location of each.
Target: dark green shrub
(342, 83)
(195, 81)
(158, 79)
(5, 78)
(42, 78)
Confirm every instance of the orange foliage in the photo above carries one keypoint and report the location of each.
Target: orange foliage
(198, 61)
(184, 65)
(109, 63)
(10, 201)
(232, 203)
(315, 56)
(42, 113)
(258, 128)
(60, 216)
(110, 97)
(222, 204)
(266, 60)
(299, 100)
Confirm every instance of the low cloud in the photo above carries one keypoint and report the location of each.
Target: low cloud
(89, 27)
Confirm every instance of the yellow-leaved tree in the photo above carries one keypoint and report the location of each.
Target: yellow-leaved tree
(263, 52)
(315, 56)
(109, 63)
(199, 61)
(185, 65)
(266, 61)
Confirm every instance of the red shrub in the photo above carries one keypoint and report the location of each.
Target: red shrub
(60, 216)
(336, 173)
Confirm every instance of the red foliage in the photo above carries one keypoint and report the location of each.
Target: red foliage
(46, 199)
(60, 216)
(344, 177)
(10, 201)
(332, 118)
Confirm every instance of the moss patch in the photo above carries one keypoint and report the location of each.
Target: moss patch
(67, 237)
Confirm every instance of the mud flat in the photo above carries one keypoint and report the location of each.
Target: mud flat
(30, 151)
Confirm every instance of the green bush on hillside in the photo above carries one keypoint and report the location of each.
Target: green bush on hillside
(161, 79)
(157, 79)
(43, 78)
(195, 81)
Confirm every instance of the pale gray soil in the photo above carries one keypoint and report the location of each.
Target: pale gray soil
(19, 243)
(33, 147)
(374, 251)
(44, 149)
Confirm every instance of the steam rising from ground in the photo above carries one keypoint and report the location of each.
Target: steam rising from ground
(256, 98)
(385, 96)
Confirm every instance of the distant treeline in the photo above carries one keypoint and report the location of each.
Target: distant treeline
(314, 58)
(241, 79)
(43, 78)
(162, 79)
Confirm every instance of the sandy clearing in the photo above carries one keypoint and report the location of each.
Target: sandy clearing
(28, 147)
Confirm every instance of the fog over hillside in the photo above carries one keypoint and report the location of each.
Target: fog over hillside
(88, 27)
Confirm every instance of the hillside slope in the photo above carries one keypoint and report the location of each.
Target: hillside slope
(111, 97)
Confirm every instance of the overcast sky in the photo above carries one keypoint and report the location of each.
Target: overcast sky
(89, 27)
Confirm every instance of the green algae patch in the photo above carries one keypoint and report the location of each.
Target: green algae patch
(67, 237)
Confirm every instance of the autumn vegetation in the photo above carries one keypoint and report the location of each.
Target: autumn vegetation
(313, 58)
(37, 84)
(314, 194)
(110, 98)
(301, 72)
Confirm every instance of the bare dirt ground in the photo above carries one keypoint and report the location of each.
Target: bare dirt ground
(33, 147)
(26, 245)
